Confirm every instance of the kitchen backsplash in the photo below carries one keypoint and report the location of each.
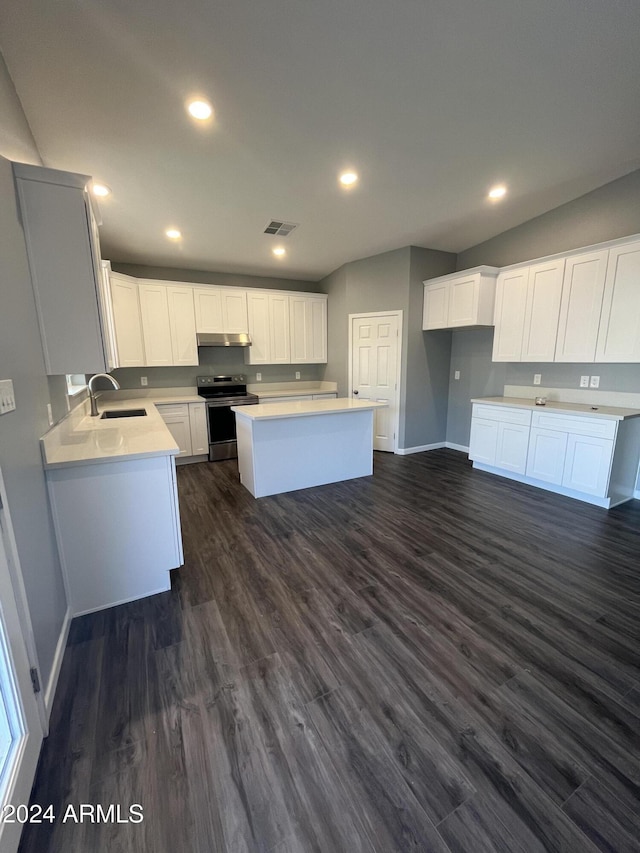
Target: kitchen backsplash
(216, 361)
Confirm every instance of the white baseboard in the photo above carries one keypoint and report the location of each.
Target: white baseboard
(405, 451)
(438, 445)
(61, 645)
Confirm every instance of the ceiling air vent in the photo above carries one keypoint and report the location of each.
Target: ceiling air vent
(279, 228)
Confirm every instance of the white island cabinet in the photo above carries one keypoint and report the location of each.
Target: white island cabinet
(287, 446)
(583, 452)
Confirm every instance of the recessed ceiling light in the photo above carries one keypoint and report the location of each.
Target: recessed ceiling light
(279, 251)
(200, 109)
(497, 192)
(100, 190)
(348, 179)
(173, 233)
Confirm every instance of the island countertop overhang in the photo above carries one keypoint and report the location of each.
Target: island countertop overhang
(305, 408)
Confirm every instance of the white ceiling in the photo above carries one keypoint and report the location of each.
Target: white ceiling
(431, 102)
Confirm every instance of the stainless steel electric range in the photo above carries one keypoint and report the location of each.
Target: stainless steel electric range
(220, 393)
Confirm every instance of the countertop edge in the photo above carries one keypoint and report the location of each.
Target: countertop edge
(558, 407)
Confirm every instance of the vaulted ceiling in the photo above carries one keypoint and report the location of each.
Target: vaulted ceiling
(431, 103)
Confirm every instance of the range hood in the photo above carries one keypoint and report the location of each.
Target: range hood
(223, 339)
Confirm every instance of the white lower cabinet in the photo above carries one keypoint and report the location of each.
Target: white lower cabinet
(198, 428)
(187, 423)
(592, 458)
(547, 451)
(176, 417)
(587, 464)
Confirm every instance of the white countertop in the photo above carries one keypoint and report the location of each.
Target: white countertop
(299, 388)
(82, 440)
(613, 412)
(305, 408)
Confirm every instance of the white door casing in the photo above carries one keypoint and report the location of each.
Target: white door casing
(22, 718)
(375, 344)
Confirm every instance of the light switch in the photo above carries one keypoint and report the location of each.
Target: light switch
(595, 382)
(7, 398)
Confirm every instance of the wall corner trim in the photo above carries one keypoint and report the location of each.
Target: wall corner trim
(61, 645)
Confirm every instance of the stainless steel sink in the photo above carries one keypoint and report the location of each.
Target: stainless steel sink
(123, 413)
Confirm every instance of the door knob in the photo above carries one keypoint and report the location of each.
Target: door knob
(355, 393)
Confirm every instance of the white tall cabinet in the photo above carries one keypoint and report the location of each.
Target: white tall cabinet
(64, 261)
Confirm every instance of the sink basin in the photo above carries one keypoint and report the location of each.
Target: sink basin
(123, 413)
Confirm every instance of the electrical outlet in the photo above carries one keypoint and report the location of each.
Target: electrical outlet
(584, 381)
(595, 382)
(537, 378)
(297, 374)
(456, 374)
(258, 377)
(144, 381)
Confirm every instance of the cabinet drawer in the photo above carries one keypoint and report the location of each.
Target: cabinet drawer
(502, 413)
(173, 409)
(597, 427)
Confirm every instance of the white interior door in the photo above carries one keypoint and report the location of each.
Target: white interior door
(375, 357)
(20, 726)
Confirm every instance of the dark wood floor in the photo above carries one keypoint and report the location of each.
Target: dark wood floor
(432, 659)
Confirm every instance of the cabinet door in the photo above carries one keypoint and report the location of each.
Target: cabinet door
(127, 323)
(182, 323)
(176, 417)
(63, 261)
(463, 301)
(512, 446)
(279, 328)
(300, 343)
(483, 441)
(317, 319)
(156, 328)
(208, 309)
(198, 428)
(511, 304)
(545, 459)
(582, 290)
(619, 332)
(588, 464)
(544, 291)
(435, 314)
(258, 312)
(234, 310)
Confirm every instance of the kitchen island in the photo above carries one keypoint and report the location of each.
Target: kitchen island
(287, 446)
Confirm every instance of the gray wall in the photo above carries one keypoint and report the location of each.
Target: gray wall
(392, 281)
(16, 140)
(21, 359)
(607, 213)
(219, 278)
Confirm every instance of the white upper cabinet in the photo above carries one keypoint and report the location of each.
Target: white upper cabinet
(544, 290)
(308, 326)
(582, 290)
(182, 323)
(168, 324)
(619, 333)
(156, 328)
(286, 328)
(460, 299)
(127, 322)
(279, 328)
(221, 309)
(64, 262)
(511, 306)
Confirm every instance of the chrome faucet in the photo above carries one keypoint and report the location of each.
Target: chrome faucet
(92, 396)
